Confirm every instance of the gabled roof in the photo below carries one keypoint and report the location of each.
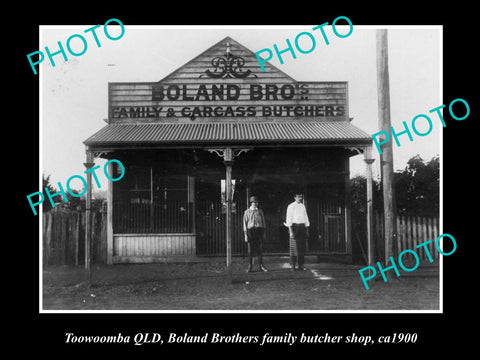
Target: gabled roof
(219, 48)
(243, 68)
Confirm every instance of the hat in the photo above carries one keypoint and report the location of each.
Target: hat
(253, 199)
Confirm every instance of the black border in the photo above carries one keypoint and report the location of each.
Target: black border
(44, 333)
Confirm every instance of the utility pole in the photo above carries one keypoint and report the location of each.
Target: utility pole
(386, 158)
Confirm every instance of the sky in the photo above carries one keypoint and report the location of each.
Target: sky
(73, 94)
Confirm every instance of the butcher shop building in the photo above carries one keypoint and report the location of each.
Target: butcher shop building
(198, 143)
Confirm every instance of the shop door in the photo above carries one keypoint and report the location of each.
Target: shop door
(274, 199)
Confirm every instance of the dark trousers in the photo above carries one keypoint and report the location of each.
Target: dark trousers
(255, 238)
(298, 244)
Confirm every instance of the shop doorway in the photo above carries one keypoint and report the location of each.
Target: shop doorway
(326, 215)
(274, 198)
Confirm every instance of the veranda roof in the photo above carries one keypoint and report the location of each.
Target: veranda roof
(318, 132)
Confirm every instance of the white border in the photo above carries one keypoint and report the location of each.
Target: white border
(43, 311)
(40, 181)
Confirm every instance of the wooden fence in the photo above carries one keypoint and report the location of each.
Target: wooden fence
(411, 231)
(64, 237)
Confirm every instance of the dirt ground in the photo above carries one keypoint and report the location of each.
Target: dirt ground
(206, 285)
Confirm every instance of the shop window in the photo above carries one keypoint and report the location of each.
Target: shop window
(151, 202)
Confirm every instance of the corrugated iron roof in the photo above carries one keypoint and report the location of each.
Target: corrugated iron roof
(226, 132)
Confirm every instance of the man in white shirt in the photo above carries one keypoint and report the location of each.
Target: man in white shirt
(297, 223)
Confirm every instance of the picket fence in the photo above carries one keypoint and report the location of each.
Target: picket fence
(411, 231)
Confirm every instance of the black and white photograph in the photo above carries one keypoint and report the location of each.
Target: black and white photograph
(220, 182)
(204, 177)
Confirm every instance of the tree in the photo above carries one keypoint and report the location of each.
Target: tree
(417, 194)
(73, 202)
(46, 206)
(418, 187)
(358, 190)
